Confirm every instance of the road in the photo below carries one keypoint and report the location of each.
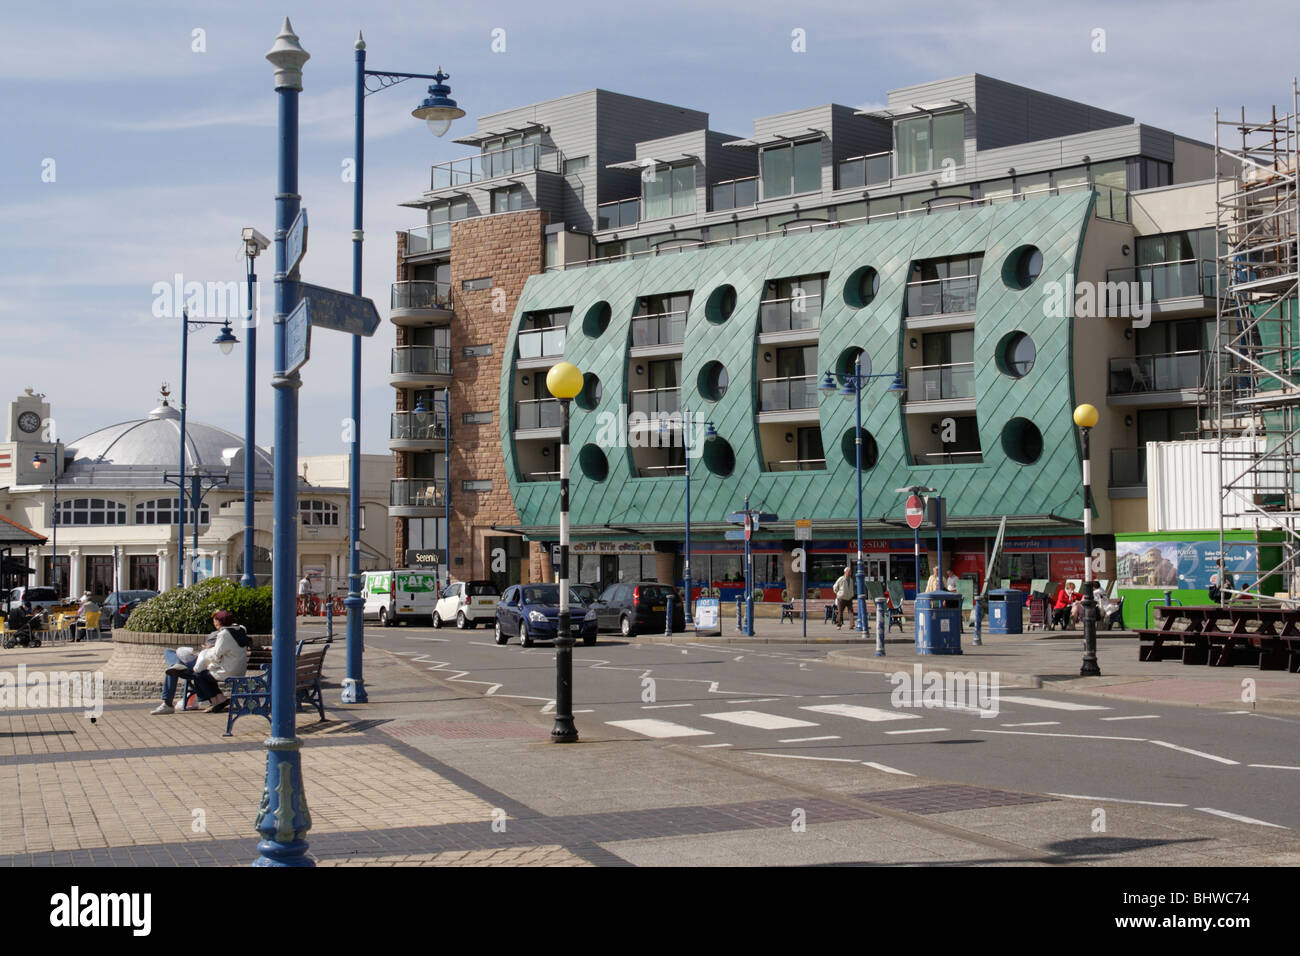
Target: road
(784, 702)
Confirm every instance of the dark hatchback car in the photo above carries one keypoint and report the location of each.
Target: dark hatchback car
(117, 607)
(530, 611)
(638, 607)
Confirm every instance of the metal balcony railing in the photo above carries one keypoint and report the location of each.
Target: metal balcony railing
(421, 360)
(421, 294)
(433, 237)
(934, 383)
(665, 328)
(1156, 373)
(941, 296)
(656, 401)
(782, 394)
(1180, 278)
(538, 343)
(970, 456)
(619, 214)
(786, 315)
(735, 193)
(538, 413)
(797, 464)
(429, 425)
(660, 471)
(416, 493)
(1128, 466)
(500, 162)
(869, 170)
(540, 476)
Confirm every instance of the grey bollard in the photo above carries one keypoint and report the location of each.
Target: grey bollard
(668, 617)
(1169, 597)
(740, 614)
(882, 622)
(979, 621)
(329, 618)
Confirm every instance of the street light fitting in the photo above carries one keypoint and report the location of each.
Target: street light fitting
(1085, 415)
(438, 109)
(226, 340)
(564, 380)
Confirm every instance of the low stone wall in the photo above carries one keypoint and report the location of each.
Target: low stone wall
(135, 668)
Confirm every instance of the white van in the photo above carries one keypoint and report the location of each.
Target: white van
(399, 595)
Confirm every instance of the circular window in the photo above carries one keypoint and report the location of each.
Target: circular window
(712, 381)
(593, 463)
(1022, 267)
(862, 287)
(718, 457)
(1022, 441)
(591, 392)
(849, 449)
(1016, 354)
(721, 303)
(596, 321)
(852, 354)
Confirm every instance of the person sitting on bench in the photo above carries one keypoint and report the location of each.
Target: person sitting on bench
(224, 654)
(1063, 607)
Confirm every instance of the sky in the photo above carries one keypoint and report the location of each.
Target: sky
(139, 138)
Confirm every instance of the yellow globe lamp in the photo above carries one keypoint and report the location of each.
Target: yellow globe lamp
(1085, 416)
(565, 381)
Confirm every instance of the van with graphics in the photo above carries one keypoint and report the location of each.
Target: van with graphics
(399, 595)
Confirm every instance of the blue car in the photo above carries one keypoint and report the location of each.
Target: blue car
(530, 611)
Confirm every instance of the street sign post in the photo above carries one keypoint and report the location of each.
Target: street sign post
(750, 521)
(331, 309)
(297, 338)
(803, 532)
(295, 243)
(914, 510)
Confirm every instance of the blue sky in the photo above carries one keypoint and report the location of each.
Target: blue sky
(161, 153)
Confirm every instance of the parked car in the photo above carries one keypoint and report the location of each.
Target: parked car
(117, 607)
(42, 598)
(638, 607)
(587, 592)
(529, 612)
(467, 603)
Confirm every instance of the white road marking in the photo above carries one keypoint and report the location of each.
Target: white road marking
(1052, 704)
(858, 712)
(1272, 766)
(662, 706)
(1238, 817)
(587, 711)
(804, 740)
(752, 700)
(435, 640)
(1037, 723)
(881, 766)
(920, 730)
(648, 727)
(711, 746)
(1134, 717)
(1031, 733)
(1145, 803)
(802, 757)
(756, 718)
(917, 701)
(1194, 753)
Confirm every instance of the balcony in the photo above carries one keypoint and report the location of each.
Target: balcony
(416, 365)
(1128, 469)
(940, 383)
(798, 464)
(795, 314)
(418, 431)
(930, 297)
(665, 328)
(660, 471)
(619, 214)
(860, 171)
(420, 301)
(416, 498)
(542, 343)
(656, 401)
(735, 194)
(1177, 287)
(1141, 375)
(495, 164)
(949, 457)
(434, 237)
(787, 394)
(540, 476)
(538, 413)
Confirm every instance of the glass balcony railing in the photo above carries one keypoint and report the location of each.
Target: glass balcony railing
(539, 343)
(941, 296)
(415, 493)
(538, 413)
(421, 360)
(782, 394)
(656, 401)
(735, 194)
(501, 162)
(1156, 373)
(798, 464)
(1178, 279)
(620, 214)
(1112, 203)
(429, 425)
(861, 171)
(786, 315)
(421, 294)
(1128, 466)
(434, 237)
(667, 328)
(934, 383)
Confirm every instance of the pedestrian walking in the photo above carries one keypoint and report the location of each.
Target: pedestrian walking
(845, 592)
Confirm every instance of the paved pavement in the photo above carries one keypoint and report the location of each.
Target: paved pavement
(452, 765)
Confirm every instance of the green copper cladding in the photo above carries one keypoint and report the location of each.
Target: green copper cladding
(997, 486)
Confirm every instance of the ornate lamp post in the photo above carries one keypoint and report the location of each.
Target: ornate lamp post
(1085, 417)
(565, 382)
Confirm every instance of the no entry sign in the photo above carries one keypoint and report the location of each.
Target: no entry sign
(915, 512)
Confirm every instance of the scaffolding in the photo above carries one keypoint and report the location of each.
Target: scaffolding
(1255, 375)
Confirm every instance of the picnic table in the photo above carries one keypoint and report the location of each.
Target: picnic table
(1222, 635)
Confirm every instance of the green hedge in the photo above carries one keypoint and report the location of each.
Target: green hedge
(189, 610)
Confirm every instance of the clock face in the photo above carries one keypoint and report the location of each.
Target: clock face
(29, 422)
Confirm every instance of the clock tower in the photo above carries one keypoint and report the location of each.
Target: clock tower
(28, 433)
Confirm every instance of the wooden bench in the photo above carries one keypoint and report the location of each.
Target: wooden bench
(251, 694)
(1219, 636)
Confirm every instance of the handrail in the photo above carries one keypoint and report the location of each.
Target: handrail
(912, 282)
(729, 182)
(939, 365)
(471, 169)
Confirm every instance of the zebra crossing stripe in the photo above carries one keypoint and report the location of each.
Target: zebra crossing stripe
(648, 727)
(756, 718)
(858, 712)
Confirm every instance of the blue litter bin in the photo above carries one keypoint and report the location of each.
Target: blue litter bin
(938, 622)
(1006, 611)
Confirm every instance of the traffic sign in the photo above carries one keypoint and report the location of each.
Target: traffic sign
(331, 309)
(803, 530)
(764, 517)
(297, 338)
(915, 511)
(751, 522)
(295, 243)
(735, 534)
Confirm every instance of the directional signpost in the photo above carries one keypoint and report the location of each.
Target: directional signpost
(341, 311)
(749, 521)
(915, 512)
(295, 243)
(297, 338)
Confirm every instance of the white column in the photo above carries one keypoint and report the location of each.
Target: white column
(123, 567)
(74, 573)
(164, 578)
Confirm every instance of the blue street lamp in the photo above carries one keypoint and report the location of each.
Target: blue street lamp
(853, 384)
(437, 110)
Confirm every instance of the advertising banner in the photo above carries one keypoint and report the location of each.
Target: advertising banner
(1181, 565)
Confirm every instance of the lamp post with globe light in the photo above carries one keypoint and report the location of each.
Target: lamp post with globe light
(1085, 417)
(38, 460)
(564, 382)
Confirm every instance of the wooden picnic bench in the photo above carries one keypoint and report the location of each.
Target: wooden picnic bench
(251, 694)
(1222, 635)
